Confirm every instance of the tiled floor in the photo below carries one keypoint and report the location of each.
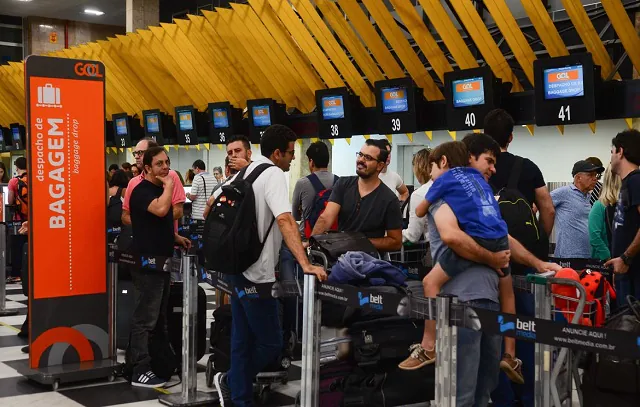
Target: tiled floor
(17, 391)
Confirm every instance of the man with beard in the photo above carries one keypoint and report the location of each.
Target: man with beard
(364, 204)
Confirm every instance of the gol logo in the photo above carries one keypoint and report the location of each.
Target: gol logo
(85, 69)
(563, 76)
(468, 86)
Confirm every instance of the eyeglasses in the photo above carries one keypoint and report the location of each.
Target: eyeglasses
(367, 157)
(598, 175)
(138, 153)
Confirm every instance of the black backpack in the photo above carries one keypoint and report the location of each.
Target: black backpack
(114, 210)
(230, 240)
(521, 221)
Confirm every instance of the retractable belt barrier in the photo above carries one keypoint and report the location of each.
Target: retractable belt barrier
(583, 264)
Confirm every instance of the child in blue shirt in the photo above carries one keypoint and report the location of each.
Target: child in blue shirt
(471, 199)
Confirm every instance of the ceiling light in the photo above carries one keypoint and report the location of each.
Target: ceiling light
(94, 12)
(46, 26)
(24, 0)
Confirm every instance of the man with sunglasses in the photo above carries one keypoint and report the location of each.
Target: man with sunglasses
(177, 198)
(364, 204)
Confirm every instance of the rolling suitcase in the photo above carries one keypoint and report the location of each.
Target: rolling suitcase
(384, 339)
(174, 320)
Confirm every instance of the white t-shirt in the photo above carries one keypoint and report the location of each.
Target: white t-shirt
(417, 226)
(391, 179)
(272, 200)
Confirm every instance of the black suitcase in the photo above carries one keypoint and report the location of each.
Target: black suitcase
(125, 303)
(384, 339)
(175, 326)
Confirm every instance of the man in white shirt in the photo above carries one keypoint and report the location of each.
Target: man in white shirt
(391, 178)
(256, 335)
(201, 189)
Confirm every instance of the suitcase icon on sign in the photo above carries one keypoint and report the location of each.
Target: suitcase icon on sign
(48, 95)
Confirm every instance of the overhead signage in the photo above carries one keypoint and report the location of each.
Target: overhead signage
(398, 102)
(159, 126)
(261, 116)
(394, 100)
(122, 135)
(337, 111)
(332, 107)
(68, 301)
(153, 123)
(564, 82)
(565, 89)
(185, 120)
(468, 92)
(220, 118)
(469, 95)
(189, 125)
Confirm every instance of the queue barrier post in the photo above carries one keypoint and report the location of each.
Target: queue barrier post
(189, 396)
(543, 354)
(446, 353)
(312, 309)
(112, 268)
(4, 312)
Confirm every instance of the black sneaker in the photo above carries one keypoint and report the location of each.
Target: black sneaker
(224, 392)
(149, 380)
(25, 349)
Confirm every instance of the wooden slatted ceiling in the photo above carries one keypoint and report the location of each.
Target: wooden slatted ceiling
(478, 31)
(336, 20)
(449, 34)
(173, 66)
(625, 29)
(545, 28)
(589, 36)
(149, 69)
(264, 87)
(513, 35)
(267, 55)
(422, 36)
(293, 53)
(303, 39)
(220, 47)
(206, 49)
(403, 49)
(332, 49)
(372, 40)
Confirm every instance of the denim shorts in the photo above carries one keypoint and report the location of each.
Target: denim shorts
(453, 265)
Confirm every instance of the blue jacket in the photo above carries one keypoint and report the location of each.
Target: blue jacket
(359, 268)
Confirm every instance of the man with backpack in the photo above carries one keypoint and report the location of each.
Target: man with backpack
(19, 200)
(519, 184)
(240, 239)
(310, 197)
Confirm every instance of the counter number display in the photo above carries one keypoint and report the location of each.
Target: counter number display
(469, 95)
(468, 92)
(261, 116)
(565, 89)
(220, 118)
(394, 100)
(332, 107)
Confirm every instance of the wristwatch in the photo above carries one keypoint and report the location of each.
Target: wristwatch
(625, 259)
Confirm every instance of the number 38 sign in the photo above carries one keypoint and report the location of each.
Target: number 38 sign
(565, 90)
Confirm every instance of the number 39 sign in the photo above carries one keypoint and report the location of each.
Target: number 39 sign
(397, 104)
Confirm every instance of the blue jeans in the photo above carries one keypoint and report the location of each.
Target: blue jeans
(256, 341)
(507, 392)
(478, 362)
(626, 284)
(289, 271)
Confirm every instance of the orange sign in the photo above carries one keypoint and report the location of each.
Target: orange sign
(569, 75)
(67, 161)
(468, 86)
(53, 37)
(393, 94)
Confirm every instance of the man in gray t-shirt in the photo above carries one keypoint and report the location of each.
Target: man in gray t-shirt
(307, 188)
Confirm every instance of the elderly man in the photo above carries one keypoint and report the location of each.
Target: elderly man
(572, 204)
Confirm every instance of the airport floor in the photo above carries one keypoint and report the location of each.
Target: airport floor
(16, 391)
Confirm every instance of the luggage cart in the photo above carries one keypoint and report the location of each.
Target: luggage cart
(414, 260)
(557, 368)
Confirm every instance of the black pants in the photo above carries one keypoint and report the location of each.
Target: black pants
(17, 243)
(149, 316)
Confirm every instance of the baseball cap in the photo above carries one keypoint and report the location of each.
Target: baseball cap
(585, 166)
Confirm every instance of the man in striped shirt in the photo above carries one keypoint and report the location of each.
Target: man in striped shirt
(201, 189)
